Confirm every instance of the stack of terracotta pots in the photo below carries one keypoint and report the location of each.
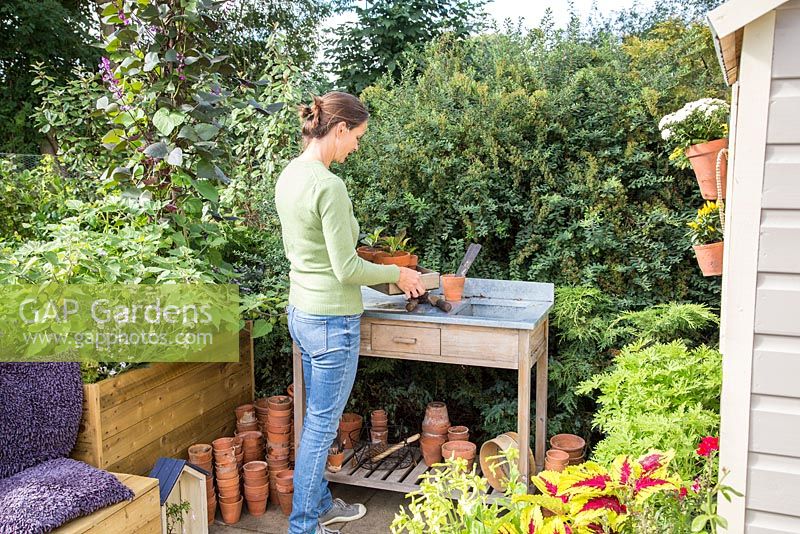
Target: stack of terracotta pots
(460, 449)
(350, 426)
(556, 460)
(256, 487)
(252, 446)
(246, 418)
(379, 427)
(227, 475)
(285, 487)
(434, 432)
(280, 439)
(200, 455)
(573, 445)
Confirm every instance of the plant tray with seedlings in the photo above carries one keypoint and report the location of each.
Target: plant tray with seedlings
(430, 279)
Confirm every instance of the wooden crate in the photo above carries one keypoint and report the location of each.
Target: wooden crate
(130, 420)
(142, 515)
(430, 279)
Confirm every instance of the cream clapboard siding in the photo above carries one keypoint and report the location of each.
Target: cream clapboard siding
(773, 481)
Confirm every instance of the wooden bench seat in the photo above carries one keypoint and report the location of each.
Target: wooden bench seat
(142, 515)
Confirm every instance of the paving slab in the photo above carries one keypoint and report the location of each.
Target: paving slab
(381, 508)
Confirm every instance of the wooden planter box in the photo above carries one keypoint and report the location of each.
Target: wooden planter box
(131, 420)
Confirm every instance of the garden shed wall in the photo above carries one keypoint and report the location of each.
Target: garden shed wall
(761, 289)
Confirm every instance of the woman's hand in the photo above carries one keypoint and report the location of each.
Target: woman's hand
(411, 282)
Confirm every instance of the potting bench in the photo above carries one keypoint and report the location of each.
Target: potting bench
(499, 323)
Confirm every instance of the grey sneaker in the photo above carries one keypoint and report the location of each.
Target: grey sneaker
(323, 530)
(341, 512)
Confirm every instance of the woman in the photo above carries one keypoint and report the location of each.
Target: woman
(320, 235)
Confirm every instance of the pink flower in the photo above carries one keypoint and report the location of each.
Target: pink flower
(696, 485)
(707, 445)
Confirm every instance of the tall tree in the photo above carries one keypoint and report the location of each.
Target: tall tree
(246, 26)
(52, 32)
(361, 51)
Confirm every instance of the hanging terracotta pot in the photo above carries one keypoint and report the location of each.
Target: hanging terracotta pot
(709, 258)
(703, 158)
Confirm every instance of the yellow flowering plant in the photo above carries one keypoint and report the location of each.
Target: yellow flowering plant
(707, 225)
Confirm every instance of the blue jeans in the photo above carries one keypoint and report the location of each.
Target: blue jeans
(329, 345)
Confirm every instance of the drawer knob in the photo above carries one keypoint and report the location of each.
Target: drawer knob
(405, 340)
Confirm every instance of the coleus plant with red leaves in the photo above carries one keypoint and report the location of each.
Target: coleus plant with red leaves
(590, 499)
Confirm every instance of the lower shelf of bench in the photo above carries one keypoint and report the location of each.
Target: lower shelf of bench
(142, 515)
(386, 476)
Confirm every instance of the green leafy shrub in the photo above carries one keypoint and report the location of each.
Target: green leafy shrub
(657, 395)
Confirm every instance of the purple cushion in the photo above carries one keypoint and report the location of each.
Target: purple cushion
(39, 413)
(45, 497)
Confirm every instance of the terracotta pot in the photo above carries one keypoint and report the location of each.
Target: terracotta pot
(212, 511)
(279, 404)
(458, 433)
(224, 457)
(709, 258)
(436, 420)
(250, 438)
(231, 512)
(228, 475)
(246, 427)
(578, 460)
(256, 481)
(493, 469)
(349, 425)
(280, 420)
(207, 466)
(552, 465)
(413, 262)
(557, 455)
(278, 439)
(570, 443)
(368, 253)
(278, 428)
(224, 483)
(431, 448)
(378, 435)
(379, 418)
(237, 444)
(230, 500)
(255, 469)
(453, 287)
(257, 508)
(261, 406)
(221, 444)
(246, 413)
(400, 258)
(285, 501)
(251, 493)
(335, 462)
(460, 449)
(200, 453)
(703, 158)
(284, 479)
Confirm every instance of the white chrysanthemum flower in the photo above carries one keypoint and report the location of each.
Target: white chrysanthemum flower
(666, 134)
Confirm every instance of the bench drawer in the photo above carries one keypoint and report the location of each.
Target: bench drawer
(409, 339)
